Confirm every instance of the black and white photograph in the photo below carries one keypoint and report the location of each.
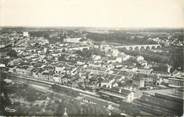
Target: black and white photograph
(91, 58)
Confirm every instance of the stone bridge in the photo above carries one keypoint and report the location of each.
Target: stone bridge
(139, 47)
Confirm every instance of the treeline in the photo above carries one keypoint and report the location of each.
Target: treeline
(177, 58)
(174, 58)
(149, 56)
(52, 36)
(120, 37)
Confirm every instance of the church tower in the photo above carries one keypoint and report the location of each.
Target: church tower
(65, 114)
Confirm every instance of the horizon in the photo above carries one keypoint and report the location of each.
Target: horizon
(107, 28)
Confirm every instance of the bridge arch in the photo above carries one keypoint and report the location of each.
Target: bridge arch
(140, 47)
(126, 48)
(148, 48)
(158, 46)
(151, 47)
(154, 47)
(144, 47)
(137, 48)
(131, 48)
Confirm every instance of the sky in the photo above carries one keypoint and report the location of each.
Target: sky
(93, 13)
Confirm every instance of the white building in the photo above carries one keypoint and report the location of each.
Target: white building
(142, 83)
(72, 40)
(59, 69)
(57, 79)
(140, 58)
(96, 57)
(169, 67)
(130, 97)
(26, 34)
(119, 59)
(115, 52)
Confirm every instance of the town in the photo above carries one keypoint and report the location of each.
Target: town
(127, 72)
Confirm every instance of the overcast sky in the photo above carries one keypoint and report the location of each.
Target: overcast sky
(93, 13)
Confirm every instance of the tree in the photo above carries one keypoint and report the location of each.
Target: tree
(176, 58)
(12, 53)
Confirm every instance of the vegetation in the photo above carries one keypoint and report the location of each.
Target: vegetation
(176, 58)
(120, 37)
(12, 53)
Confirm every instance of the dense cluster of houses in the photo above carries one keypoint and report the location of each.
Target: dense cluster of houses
(65, 63)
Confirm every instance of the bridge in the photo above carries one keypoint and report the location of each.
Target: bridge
(139, 47)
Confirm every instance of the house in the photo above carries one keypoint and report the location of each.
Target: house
(41, 76)
(115, 52)
(59, 70)
(144, 71)
(102, 84)
(96, 57)
(119, 59)
(23, 71)
(57, 79)
(106, 48)
(108, 84)
(80, 63)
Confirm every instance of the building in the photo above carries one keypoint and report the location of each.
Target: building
(26, 34)
(119, 59)
(59, 70)
(23, 71)
(142, 83)
(57, 79)
(72, 40)
(115, 52)
(79, 48)
(118, 95)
